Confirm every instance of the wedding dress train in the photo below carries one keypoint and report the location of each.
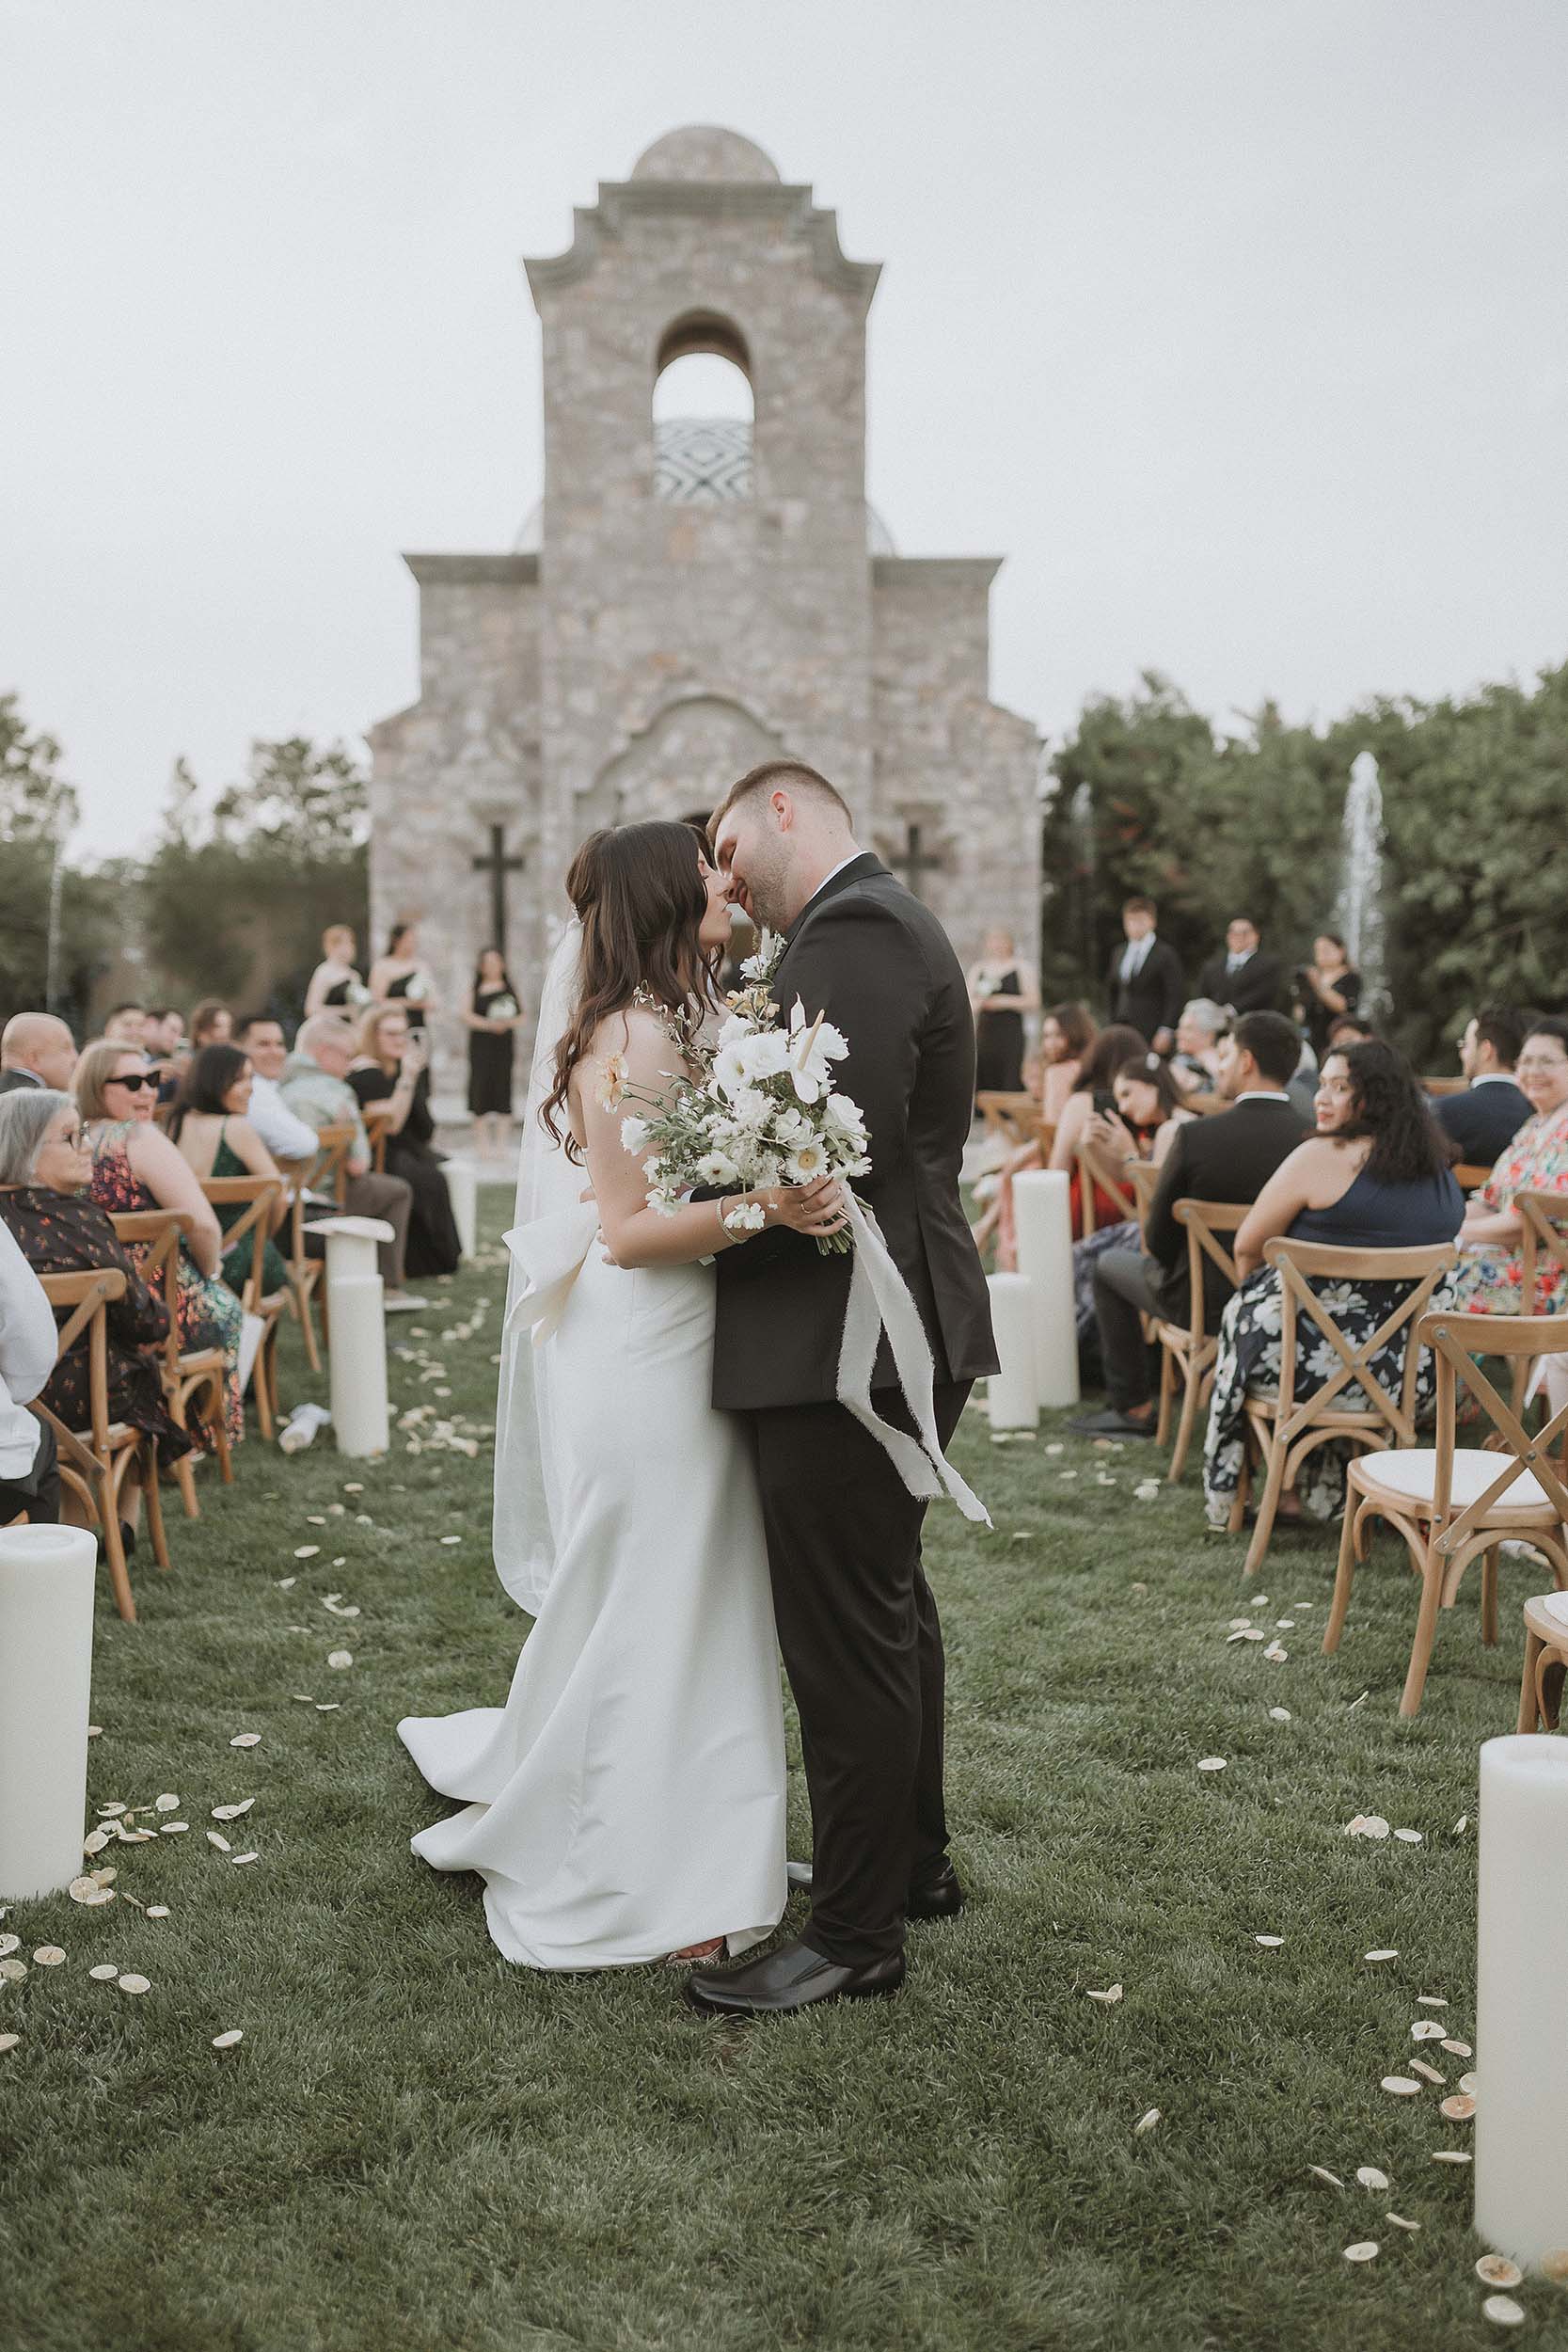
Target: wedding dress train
(628, 1799)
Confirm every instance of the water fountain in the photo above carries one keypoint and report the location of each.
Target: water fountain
(1359, 908)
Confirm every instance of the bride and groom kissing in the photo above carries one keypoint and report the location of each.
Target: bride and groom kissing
(680, 1495)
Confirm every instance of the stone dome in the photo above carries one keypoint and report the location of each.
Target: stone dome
(703, 152)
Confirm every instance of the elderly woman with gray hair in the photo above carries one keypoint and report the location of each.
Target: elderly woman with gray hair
(45, 1165)
(1195, 1062)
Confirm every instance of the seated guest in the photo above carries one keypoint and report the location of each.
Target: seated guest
(127, 1025)
(1144, 1124)
(1490, 1280)
(1375, 1176)
(335, 983)
(209, 1129)
(29, 1466)
(36, 1050)
(1067, 1034)
(387, 1069)
(1145, 984)
(135, 1166)
(45, 1166)
(1484, 1119)
(287, 1137)
(1196, 1063)
(1240, 976)
(1349, 1029)
(163, 1043)
(315, 1087)
(1229, 1156)
(211, 1024)
(1097, 1068)
(1324, 990)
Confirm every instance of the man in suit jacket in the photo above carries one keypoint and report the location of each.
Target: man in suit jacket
(1145, 984)
(1228, 1156)
(857, 1624)
(1484, 1119)
(36, 1050)
(1243, 976)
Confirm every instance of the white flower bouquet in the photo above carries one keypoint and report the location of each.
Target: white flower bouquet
(761, 1109)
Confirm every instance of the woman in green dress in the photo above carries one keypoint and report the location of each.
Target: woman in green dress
(209, 1128)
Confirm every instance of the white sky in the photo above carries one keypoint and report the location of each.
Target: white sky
(1238, 326)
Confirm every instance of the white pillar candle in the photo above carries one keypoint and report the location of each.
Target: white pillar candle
(1043, 1220)
(1011, 1394)
(46, 1589)
(1521, 2175)
(463, 1184)
(357, 1331)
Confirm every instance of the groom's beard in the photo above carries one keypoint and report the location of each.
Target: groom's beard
(766, 891)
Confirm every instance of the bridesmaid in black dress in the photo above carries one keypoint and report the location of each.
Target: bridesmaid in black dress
(399, 977)
(335, 983)
(491, 1015)
(1002, 989)
(389, 1070)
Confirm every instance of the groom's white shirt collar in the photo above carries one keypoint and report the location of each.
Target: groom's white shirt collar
(826, 879)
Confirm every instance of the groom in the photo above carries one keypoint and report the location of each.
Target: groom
(857, 1623)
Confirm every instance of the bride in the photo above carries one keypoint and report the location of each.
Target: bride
(627, 1802)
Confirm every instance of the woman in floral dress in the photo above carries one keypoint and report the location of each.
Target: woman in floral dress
(1490, 1280)
(135, 1166)
(1375, 1176)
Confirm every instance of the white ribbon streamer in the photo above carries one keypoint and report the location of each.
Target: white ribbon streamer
(880, 1301)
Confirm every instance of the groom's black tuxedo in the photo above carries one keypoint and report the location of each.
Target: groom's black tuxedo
(867, 953)
(857, 1624)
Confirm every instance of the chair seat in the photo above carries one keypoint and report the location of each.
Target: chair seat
(1412, 1476)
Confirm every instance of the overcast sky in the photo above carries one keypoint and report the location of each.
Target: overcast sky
(1237, 325)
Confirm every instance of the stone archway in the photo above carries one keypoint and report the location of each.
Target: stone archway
(684, 760)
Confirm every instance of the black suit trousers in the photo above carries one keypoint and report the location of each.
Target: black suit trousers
(39, 1492)
(1124, 1292)
(863, 1648)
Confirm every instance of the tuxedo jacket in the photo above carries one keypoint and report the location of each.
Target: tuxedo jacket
(1153, 997)
(869, 956)
(12, 1079)
(1228, 1156)
(1484, 1121)
(1256, 988)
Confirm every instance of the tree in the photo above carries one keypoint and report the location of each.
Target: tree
(38, 810)
(236, 901)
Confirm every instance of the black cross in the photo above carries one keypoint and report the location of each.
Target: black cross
(914, 862)
(498, 865)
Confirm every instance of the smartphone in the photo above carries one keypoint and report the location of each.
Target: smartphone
(1105, 1102)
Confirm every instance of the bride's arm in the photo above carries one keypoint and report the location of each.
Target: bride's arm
(635, 1234)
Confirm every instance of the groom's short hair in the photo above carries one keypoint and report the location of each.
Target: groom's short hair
(792, 775)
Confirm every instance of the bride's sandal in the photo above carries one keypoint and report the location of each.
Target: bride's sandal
(693, 1954)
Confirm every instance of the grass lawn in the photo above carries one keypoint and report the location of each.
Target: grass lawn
(416, 2145)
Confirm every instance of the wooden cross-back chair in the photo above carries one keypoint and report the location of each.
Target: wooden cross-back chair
(1444, 1086)
(328, 1172)
(378, 1120)
(1470, 1176)
(1545, 1217)
(1187, 1351)
(1111, 1176)
(259, 1197)
(192, 1376)
(1015, 1118)
(95, 1462)
(1281, 1431)
(1453, 1502)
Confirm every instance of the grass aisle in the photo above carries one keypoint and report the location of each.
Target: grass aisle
(416, 2146)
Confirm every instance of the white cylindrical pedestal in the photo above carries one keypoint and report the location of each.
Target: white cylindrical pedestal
(1043, 1220)
(46, 1587)
(1011, 1394)
(1521, 2176)
(358, 1332)
(462, 1186)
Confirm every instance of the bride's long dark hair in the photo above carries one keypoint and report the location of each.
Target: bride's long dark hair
(641, 898)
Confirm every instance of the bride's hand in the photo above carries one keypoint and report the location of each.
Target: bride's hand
(816, 1209)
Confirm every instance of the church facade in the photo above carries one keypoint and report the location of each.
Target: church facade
(703, 594)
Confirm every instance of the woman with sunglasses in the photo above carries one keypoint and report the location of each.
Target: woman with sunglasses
(134, 1165)
(44, 1167)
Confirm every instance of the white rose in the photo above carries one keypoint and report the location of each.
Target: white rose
(634, 1134)
(846, 1115)
(791, 1126)
(765, 1054)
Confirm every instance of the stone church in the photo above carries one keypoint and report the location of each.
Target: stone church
(694, 597)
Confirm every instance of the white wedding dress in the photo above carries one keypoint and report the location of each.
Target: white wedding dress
(628, 1799)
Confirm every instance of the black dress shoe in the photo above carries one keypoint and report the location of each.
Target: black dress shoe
(1110, 1423)
(790, 1977)
(938, 1895)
